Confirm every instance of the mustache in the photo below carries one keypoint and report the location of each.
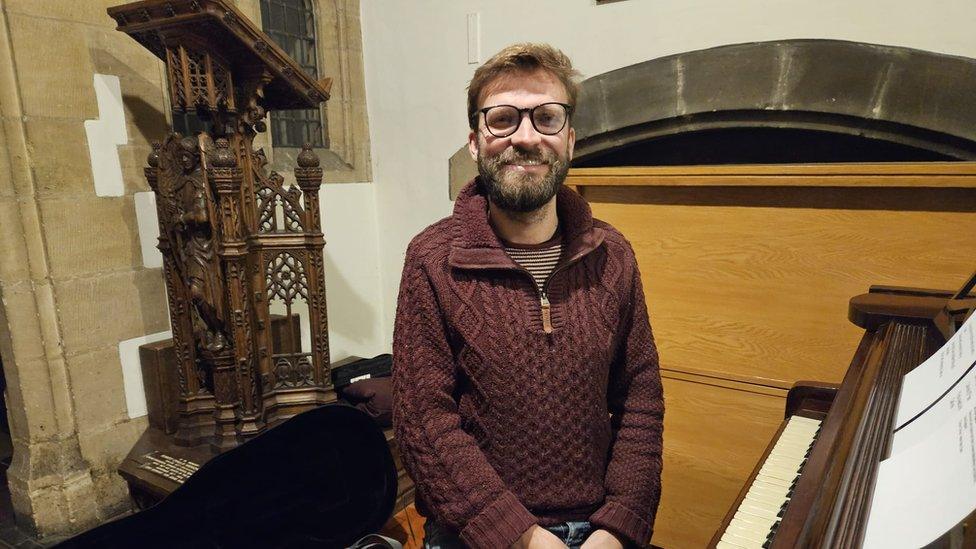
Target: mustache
(516, 156)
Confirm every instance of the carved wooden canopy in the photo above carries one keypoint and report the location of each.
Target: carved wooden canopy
(188, 34)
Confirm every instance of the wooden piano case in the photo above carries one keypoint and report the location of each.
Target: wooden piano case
(748, 272)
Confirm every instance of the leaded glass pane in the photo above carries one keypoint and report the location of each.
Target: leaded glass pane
(291, 24)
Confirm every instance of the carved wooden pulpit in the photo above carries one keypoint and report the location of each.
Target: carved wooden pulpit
(237, 242)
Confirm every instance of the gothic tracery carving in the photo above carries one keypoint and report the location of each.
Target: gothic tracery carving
(286, 278)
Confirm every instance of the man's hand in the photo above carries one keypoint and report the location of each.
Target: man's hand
(601, 539)
(537, 537)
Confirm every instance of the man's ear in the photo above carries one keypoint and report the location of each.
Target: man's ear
(473, 144)
(571, 143)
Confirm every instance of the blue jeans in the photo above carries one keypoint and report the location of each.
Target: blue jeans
(437, 536)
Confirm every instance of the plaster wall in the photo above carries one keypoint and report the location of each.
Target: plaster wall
(417, 70)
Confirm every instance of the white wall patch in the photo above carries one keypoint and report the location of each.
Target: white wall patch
(105, 135)
(135, 390)
(148, 223)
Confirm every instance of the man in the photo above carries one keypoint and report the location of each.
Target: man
(527, 398)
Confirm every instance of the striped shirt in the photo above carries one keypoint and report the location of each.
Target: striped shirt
(538, 259)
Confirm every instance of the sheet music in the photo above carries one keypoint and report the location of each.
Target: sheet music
(925, 387)
(924, 491)
(952, 408)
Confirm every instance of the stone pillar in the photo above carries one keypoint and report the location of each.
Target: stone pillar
(50, 484)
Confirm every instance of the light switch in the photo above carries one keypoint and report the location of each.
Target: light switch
(474, 38)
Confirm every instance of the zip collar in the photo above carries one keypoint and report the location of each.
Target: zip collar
(476, 246)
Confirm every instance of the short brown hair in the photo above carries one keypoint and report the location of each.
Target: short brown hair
(522, 57)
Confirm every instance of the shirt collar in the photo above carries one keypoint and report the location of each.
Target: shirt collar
(476, 246)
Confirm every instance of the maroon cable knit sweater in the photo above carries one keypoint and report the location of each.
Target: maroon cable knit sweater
(503, 425)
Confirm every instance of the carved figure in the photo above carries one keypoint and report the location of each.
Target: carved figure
(197, 258)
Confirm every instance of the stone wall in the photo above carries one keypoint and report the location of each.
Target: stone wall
(72, 279)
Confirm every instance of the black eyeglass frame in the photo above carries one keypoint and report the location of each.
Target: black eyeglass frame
(521, 115)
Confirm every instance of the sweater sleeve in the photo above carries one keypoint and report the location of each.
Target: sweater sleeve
(635, 397)
(451, 473)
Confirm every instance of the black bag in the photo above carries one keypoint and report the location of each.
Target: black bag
(378, 366)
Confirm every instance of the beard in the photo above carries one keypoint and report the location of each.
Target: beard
(521, 191)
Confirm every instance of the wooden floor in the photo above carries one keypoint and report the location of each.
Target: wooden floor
(407, 527)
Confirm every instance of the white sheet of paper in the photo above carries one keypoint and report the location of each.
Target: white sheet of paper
(927, 489)
(931, 379)
(950, 409)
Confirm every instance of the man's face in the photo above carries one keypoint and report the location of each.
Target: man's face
(523, 171)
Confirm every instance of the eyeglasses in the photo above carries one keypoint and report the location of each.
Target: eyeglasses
(547, 118)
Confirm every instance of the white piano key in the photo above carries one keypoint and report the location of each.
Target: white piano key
(786, 463)
(799, 439)
(796, 442)
(745, 543)
(771, 496)
(745, 516)
(775, 465)
(796, 436)
(734, 543)
(769, 491)
(760, 522)
(793, 459)
(772, 484)
(801, 431)
(760, 498)
(744, 528)
(787, 466)
(744, 532)
(772, 471)
(762, 486)
(758, 511)
(774, 480)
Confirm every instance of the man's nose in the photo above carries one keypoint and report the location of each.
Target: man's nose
(525, 135)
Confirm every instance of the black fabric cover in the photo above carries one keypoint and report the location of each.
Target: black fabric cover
(324, 478)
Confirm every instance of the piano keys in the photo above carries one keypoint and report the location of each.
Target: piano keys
(759, 514)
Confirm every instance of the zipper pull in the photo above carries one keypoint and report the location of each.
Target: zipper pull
(546, 314)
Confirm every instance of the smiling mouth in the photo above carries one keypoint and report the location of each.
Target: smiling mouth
(526, 165)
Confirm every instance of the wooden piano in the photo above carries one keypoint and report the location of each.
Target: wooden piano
(814, 483)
